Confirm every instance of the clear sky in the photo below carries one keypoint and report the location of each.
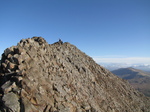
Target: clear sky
(103, 29)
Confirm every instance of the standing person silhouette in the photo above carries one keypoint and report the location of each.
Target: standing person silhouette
(60, 41)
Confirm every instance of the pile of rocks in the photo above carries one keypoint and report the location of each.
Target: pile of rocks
(39, 77)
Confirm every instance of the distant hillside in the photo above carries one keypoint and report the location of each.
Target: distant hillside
(115, 66)
(139, 79)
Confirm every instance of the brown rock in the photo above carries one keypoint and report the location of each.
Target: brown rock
(11, 66)
(59, 77)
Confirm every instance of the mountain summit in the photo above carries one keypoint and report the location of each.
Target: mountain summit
(39, 77)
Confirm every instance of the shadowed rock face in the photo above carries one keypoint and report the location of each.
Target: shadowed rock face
(39, 77)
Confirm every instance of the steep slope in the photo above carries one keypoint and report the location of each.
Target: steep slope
(139, 79)
(41, 77)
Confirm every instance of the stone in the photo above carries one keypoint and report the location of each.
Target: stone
(7, 87)
(47, 108)
(11, 66)
(4, 65)
(15, 59)
(11, 102)
(41, 77)
(8, 51)
(9, 56)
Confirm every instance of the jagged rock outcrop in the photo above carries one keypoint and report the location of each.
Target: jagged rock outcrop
(39, 77)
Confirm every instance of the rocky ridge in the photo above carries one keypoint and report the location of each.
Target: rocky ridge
(39, 77)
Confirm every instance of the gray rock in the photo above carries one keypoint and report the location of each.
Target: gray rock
(6, 87)
(12, 102)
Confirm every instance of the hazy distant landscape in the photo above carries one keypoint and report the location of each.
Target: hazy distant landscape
(139, 79)
(138, 75)
(115, 66)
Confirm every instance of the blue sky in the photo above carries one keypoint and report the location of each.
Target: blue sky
(110, 29)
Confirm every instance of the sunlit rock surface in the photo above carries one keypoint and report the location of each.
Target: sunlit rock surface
(39, 77)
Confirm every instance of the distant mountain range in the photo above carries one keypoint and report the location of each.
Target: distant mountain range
(115, 66)
(139, 79)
